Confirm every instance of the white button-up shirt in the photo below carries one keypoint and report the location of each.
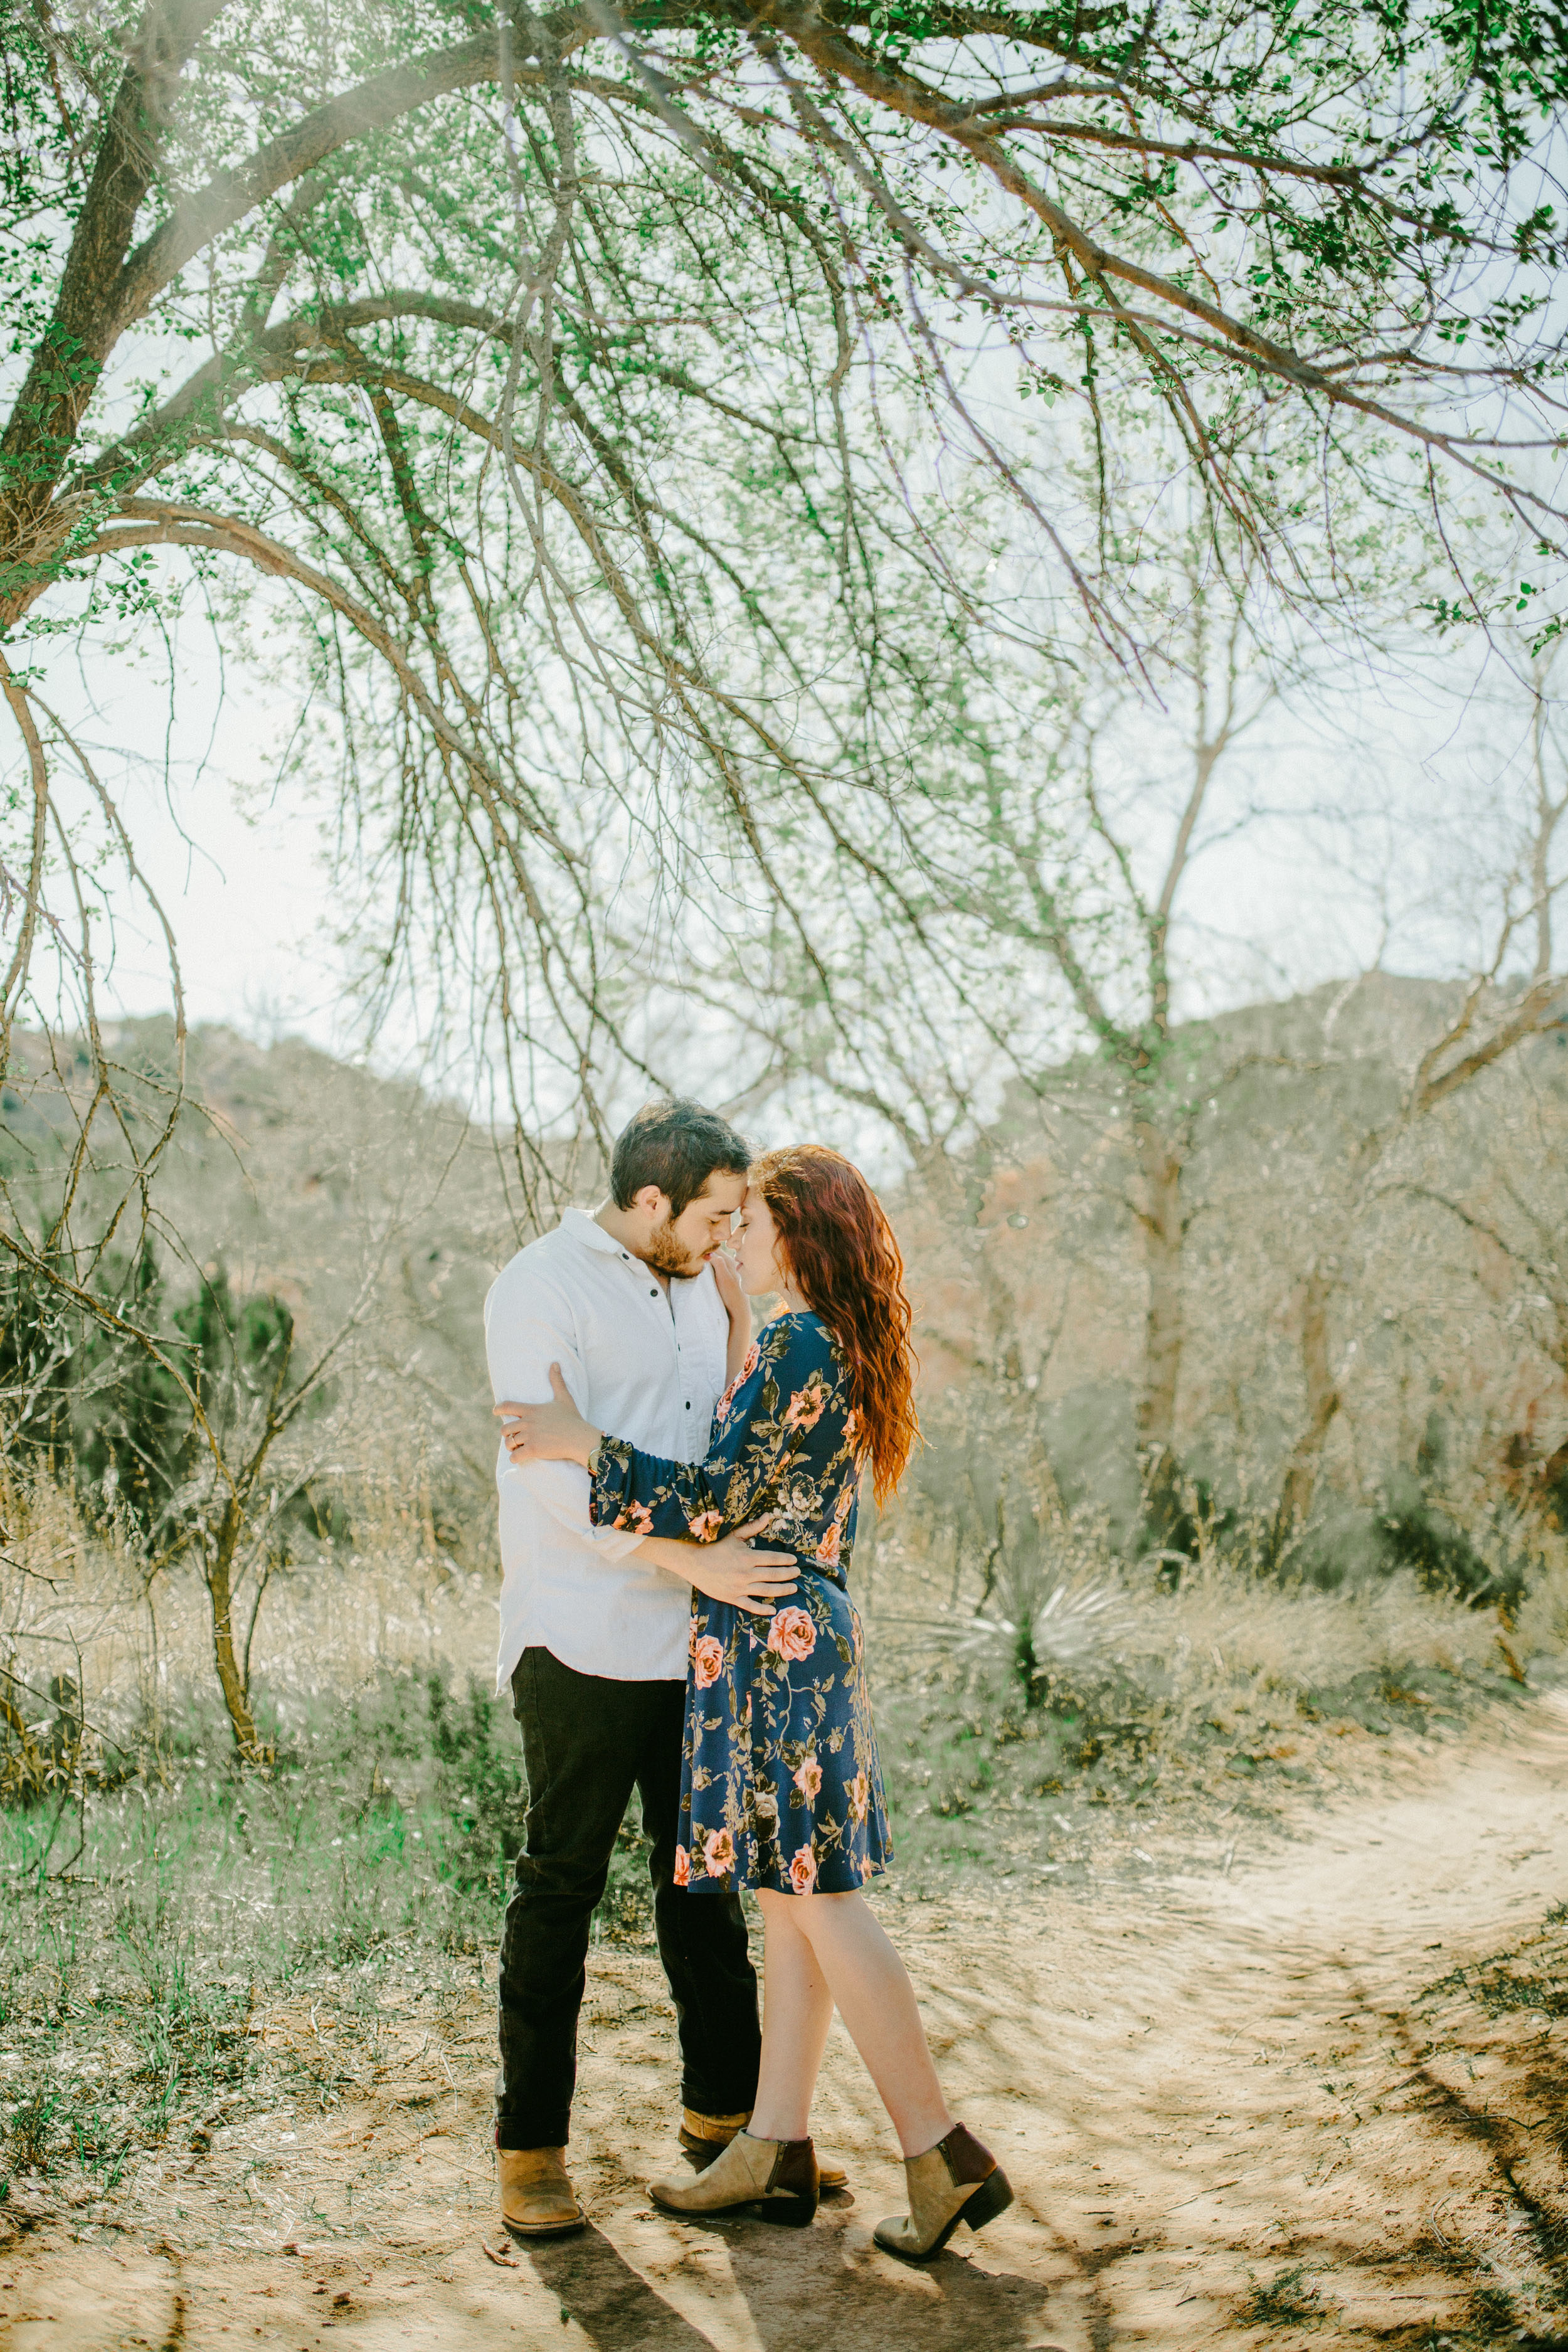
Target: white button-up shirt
(642, 1363)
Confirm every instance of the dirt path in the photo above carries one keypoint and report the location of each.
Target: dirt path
(1229, 2117)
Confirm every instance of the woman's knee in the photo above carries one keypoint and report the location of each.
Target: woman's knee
(810, 1914)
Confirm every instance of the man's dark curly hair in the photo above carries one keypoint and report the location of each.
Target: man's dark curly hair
(677, 1145)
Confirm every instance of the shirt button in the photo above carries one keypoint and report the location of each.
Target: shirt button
(689, 1404)
(654, 1292)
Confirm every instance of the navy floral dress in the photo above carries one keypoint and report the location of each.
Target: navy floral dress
(780, 1786)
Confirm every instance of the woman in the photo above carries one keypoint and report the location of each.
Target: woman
(781, 1788)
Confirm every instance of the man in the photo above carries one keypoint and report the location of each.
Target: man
(593, 1640)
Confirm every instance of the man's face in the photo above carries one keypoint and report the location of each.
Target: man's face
(682, 1246)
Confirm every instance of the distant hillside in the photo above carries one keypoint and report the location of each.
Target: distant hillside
(1448, 1322)
(335, 1191)
(1447, 1314)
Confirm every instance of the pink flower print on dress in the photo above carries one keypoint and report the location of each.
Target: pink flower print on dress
(707, 1661)
(638, 1517)
(792, 1634)
(828, 1549)
(859, 1794)
(808, 1778)
(803, 1871)
(682, 1866)
(718, 1854)
(807, 1405)
(753, 1358)
(706, 1526)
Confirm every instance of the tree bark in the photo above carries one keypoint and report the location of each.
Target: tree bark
(1301, 1479)
(1159, 1215)
(218, 1570)
(1442, 1071)
(1164, 1324)
(88, 319)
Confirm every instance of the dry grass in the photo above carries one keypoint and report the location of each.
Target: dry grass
(1133, 1701)
(75, 1601)
(157, 1895)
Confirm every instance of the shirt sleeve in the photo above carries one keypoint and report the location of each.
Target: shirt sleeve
(529, 1326)
(791, 1400)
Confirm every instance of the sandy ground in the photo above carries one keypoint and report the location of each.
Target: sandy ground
(1203, 2081)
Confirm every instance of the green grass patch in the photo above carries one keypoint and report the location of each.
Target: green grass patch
(1290, 2299)
(982, 1769)
(379, 1849)
(1530, 1975)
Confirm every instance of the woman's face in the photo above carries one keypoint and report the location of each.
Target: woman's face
(756, 1249)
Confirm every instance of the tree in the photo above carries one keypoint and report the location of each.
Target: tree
(177, 1418)
(1048, 951)
(1064, 885)
(562, 369)
(510, 514)
(1495, 1011)
(613, 412)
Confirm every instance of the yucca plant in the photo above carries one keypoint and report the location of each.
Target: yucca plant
(1038, 1619)
(1041, 1611)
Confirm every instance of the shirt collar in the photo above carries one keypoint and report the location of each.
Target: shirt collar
(582, 1225)
(585, 1227)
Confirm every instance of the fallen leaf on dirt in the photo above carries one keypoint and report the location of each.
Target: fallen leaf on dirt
(506, 2261)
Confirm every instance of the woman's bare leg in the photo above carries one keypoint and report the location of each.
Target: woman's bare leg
(872, 1992)
(797, 2010)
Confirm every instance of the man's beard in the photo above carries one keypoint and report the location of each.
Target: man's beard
(666, 1253)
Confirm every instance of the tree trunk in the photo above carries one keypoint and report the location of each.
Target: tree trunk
(89, 316)
(231, 1678)
(1163, 1321)
(1322, 1403)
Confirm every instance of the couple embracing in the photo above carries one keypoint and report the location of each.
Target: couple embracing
(650, 1642)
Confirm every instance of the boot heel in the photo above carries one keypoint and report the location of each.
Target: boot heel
(775, 2179)
(992, 2197)
(787, 2212)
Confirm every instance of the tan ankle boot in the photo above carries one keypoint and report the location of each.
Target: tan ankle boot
(702, 2136)
(537, 2199)
(957, 2180)
(777, 2176)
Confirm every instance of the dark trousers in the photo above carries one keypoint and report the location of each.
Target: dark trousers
(586, 1743)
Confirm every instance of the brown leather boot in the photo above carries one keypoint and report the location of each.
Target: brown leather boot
(537, 2199)
(776, 2176)
(702, 2136)
(957, 2180)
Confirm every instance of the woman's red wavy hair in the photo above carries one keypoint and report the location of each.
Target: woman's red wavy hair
(840, 1248)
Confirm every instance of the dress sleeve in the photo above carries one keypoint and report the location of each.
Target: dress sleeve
(791, 1399)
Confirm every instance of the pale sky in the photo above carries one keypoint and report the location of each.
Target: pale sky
(1287, 903)
(238, 864)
